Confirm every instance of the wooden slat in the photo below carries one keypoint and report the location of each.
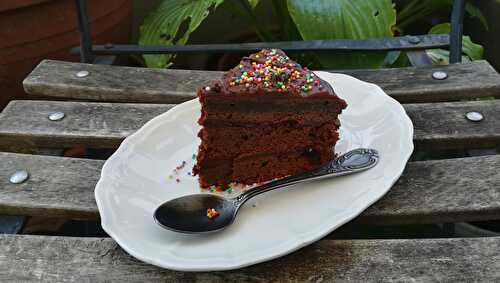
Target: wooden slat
(65, 259)
(105, 125)
(99, 125)
(124, 84)
(444, 125)
(439, 191)
(57, 186)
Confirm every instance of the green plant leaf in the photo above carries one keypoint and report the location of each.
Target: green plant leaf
(392, 57)
(474, 12)
(442, 57)
(244, 10)
(344, 19)
(253, 3)
(171, 23)
(472, 50)
(401, 62)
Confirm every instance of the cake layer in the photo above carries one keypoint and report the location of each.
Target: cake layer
(232, 142)
(237, 110)
(250, 120)
(260, 168)
(214, 102)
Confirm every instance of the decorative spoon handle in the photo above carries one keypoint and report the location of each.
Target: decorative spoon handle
(353, 161)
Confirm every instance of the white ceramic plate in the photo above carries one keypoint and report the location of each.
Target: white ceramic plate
(139, 177)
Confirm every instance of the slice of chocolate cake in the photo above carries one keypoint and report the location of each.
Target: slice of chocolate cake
(266, 118)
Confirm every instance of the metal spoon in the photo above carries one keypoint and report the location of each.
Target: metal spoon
(188, 214)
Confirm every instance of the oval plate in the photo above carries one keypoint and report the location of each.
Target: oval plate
(142, 174)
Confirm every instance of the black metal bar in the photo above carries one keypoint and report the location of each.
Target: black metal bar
(375, 44)
(457, 24)
(85, 50)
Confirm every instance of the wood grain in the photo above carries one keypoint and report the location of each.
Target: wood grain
(57, 186)
(105, 125)
(72, 259)
(98, 125)
(439, 191)
(125, 84)
(444, 125)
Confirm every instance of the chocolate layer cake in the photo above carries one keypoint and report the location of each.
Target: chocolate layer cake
(266, 118)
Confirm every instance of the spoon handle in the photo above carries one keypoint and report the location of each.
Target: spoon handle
(353, 161)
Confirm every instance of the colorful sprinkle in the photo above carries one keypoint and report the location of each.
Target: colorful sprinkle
(275, 74)
(212, 213)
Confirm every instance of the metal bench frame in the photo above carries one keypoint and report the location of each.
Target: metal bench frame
(88, 51)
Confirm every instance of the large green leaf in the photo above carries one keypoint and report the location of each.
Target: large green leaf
(472, 50)
(344, 19)
(171, 23)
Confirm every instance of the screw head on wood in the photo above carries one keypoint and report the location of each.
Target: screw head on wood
(439, 75)
(56, 116)
(82, 74)
(19, 177)
(474, 116)
(413, 40)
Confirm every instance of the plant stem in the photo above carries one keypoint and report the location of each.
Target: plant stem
(245, 10)
(418, 12)
(407, 10)
(278, 9)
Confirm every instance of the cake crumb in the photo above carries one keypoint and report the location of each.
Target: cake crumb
(212, 213)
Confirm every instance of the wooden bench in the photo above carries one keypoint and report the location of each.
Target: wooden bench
(58, 259)
(113, 102)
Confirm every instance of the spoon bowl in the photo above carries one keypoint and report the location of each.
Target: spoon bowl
(188, 214)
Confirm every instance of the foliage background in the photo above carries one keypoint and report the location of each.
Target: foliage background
(173, 21)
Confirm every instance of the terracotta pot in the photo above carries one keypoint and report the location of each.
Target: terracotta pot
(32, 30)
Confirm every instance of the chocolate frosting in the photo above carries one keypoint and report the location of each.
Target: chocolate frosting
(269, 71)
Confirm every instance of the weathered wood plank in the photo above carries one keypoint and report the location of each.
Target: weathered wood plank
(99, 125)
(439, 191)
(64, 259)
(105, 125)
(444, 125)
(125, 84)
(57, 186)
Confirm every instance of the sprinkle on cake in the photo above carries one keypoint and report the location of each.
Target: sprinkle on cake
(274, 70)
